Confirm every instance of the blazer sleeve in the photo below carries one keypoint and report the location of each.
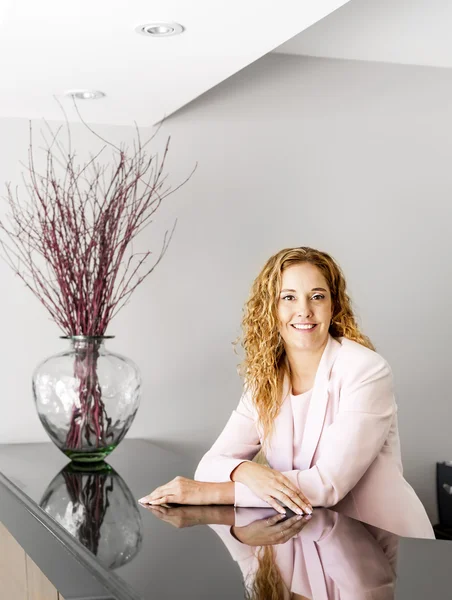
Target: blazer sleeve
(350, 444)
(238, 442)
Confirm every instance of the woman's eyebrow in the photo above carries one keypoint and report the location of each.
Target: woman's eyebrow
(319, 289)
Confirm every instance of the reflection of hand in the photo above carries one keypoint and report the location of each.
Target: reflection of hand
(271, 485)
(272, 531)
(179, 516)
(188, 516)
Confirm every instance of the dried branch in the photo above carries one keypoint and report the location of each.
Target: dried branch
(68, 240)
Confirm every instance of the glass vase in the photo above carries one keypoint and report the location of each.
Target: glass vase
(87, 398)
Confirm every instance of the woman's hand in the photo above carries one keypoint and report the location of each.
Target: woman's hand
(268, 532)
(271, 485)
(181, 490)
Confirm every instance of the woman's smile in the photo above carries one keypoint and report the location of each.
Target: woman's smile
(304, 328)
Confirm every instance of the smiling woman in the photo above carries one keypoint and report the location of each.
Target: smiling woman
(318, 401)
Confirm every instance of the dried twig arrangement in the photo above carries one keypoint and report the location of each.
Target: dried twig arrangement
(69, 241)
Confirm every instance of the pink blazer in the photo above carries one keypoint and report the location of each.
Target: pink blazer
(328, 560)
(350, 451)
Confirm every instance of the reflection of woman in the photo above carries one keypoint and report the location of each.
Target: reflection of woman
(318, 400)
(332, 556)
(321, 557)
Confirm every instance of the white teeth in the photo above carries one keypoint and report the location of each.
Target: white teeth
(303, 326)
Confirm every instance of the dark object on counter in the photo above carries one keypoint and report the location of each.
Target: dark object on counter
(443, 529)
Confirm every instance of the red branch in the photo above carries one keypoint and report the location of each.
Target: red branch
(68, 241)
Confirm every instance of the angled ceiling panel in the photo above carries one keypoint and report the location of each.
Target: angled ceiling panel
(50, 46)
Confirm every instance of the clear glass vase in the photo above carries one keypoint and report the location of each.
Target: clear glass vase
(87, 398)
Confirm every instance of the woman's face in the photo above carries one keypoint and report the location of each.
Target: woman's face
(304, 299)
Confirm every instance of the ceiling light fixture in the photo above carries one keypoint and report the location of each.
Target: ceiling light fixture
(160, 29)
(85, 94)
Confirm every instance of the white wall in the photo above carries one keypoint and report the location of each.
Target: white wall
(352, 158)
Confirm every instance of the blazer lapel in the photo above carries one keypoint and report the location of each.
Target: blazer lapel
(318, 404)
(284, 555)
(314, 568)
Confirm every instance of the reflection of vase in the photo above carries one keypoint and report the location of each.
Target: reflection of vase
(87, 398)
(98, 509)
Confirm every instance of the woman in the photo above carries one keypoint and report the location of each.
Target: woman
(318, 401)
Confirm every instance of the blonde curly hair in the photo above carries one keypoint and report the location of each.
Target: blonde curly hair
(266, 583)
(265, 362)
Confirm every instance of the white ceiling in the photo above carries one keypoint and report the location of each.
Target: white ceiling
(49, 46)
(416, 32)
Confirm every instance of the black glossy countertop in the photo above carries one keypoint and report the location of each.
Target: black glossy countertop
(93, 540)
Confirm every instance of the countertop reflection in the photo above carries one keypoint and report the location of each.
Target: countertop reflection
(97, 507)
(201, 552)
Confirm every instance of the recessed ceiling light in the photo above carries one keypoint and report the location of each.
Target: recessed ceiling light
(160, 29)
(85, 94)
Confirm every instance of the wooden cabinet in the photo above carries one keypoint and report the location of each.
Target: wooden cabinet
(20, 578)
(13, 570)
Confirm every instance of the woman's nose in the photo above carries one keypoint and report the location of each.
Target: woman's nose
(304, 311)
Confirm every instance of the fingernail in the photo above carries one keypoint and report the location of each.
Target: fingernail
(309, 511)
(299, 517)
(300, 512)
(142, 499)
(308, 517)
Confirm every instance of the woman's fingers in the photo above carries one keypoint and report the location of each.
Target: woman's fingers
(287, 483)
(152, 496)
(287, 501)
(282, 530)
(163, 500)
(299, 501)
(297, 497)
(273, 520)
(270, 500)
(292, 501)
(288, 523)
(283, 494)
(290, 528)
(159, 499)
(290, 533)
(169, 487)
(304, 499)
(163, 490)
(296, 505)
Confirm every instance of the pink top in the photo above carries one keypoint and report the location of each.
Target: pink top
(300, 407)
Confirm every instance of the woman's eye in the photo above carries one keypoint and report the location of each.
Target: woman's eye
(315, 296)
